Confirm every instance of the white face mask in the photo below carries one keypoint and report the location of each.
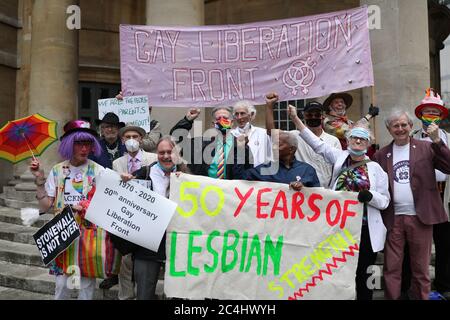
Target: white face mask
(245, 129)
(132, 145)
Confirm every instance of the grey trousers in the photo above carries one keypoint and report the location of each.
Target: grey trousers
(146, 273)
(126, 284)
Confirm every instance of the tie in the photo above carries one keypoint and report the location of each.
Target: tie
(134, 165)
(220, 162)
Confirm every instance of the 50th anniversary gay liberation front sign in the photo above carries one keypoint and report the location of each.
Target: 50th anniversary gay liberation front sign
(233, 239)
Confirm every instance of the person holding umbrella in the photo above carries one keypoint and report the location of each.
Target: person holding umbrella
(69, 183)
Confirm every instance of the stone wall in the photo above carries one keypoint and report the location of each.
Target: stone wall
(99, 50)
(9, 26)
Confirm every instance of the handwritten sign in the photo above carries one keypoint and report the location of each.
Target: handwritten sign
(254, 240)
(57, 235)
(130, 211)
(131, 110)
(298, 58)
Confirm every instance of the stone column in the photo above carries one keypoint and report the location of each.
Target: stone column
(175, 13)
(53, 81)
(400, 54)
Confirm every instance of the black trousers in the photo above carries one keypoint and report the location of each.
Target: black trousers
(441, 238)
(366, 258)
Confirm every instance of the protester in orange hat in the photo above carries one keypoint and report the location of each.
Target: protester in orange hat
(336, 122)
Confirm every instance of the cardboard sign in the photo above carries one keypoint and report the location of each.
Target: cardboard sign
(299, 58)
(130, 211)
(131, 110)
(56, 235)
(235, 239)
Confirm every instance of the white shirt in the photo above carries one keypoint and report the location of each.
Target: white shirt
(440, 176)
(403, 196)
(259, 144)
(160, 181)
(306, 154)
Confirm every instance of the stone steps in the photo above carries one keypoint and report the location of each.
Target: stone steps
(17, 233)
(20, 253)
(22, 273)
(10, 215)
(38, 280)
(16, 294)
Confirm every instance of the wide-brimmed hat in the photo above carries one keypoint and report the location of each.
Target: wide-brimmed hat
(432, 99)
(132, 128)
(347, 98)
(78, 125)
(110, 118)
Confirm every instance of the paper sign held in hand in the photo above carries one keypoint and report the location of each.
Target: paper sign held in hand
(130, 211)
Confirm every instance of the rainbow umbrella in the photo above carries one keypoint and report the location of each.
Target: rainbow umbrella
(26, 138)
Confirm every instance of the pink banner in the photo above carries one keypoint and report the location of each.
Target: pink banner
(206, 66)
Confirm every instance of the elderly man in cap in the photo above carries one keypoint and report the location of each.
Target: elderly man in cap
(336, 122)
(151, 138)
(415, 205)
(313, 115)
(432, 110)
(132, 161)
(112, 148)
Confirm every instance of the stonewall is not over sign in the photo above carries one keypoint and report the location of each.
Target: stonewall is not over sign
(299, 58)
(57, 235)
(254, 240)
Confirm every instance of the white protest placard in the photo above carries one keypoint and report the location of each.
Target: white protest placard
(130, 211)
(234, 239)
(131, 110)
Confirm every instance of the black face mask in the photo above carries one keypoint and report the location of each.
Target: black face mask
(313, 122)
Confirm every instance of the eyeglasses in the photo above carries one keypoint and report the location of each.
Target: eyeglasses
(109, 126)
(240, 114)
(83, 143)
(133, 136)
(400, 125)
(358, 138)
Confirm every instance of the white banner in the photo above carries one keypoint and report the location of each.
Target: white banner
(130, 211)
(257, 240)
(131, 110)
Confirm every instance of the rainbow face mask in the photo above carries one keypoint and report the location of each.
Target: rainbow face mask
(429, 119)
(223, 124)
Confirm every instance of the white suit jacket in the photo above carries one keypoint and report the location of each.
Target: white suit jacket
(121, 165)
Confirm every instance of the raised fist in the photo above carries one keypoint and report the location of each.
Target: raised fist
(193, 114)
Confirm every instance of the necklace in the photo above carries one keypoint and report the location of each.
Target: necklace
(112, 151)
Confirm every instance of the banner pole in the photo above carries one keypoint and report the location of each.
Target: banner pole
(373, 102)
